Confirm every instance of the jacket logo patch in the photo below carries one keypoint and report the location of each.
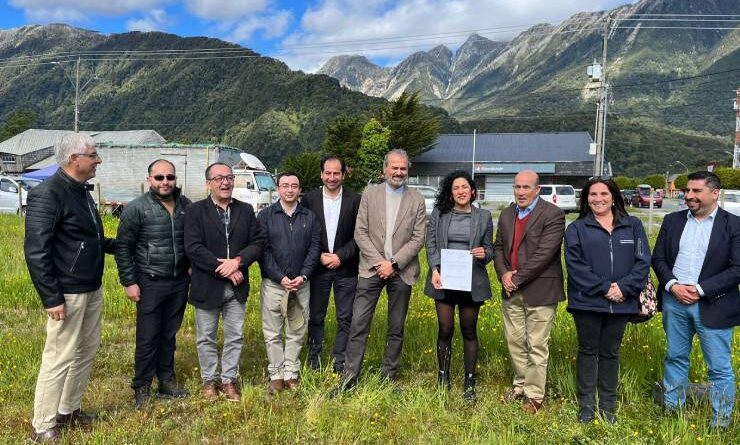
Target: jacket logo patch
(626, 241)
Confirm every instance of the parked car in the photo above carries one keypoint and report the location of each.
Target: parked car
(627, 195)
(429, 193)
(641, 197)
(9, 187)
(562, 195)
(731, 201)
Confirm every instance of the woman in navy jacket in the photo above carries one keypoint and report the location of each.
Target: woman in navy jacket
(607, 256)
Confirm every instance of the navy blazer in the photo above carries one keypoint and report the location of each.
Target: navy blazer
(344, 241)
(720, 273)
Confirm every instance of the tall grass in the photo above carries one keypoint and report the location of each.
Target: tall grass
(375, 412)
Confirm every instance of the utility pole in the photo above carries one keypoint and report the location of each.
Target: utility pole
(77, 96)
(736, 152)
(603, 106)
(472, 170)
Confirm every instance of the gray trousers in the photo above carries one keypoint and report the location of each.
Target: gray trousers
(368, 294)
(206, 331)
(284, 310)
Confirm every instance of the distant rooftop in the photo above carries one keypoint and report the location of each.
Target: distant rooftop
(36, 139)
(510, 147)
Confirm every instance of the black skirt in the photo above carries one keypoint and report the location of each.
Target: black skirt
(459, 298)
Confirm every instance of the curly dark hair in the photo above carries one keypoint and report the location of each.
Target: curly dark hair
(444, 201)
(618, 211)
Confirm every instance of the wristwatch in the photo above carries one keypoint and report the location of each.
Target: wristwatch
(305, 278)
(395, 266)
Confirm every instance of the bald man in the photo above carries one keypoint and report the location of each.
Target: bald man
(527, 262)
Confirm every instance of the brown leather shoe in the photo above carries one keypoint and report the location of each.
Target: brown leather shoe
(52, 435)
(76, 419)
(210, 390)
(531, 406)
(291, 384)
(231, 391)
(275, 387)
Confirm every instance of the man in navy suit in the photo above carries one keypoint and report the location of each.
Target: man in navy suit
(697, 260)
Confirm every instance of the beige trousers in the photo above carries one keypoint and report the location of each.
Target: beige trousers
(284, 310)
(527, 331)
(68, 357)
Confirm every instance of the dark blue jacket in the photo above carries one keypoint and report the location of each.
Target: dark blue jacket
(720, 273)
(595, 258)
(292, 244)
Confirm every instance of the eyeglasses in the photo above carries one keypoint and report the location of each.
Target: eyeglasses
(219, 179)
(289, 186)
(89, 155)
(162, 177)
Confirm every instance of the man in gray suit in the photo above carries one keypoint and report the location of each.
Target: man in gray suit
(389, 232)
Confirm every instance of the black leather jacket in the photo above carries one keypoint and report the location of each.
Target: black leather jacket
(150, 240)
(64, 244)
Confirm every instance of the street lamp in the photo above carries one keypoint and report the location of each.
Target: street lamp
(682, 165)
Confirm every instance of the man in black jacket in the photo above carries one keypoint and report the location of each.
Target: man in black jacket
(222, 238)
(336, 209)
(152, 267)
(292, 250)
(64, 249)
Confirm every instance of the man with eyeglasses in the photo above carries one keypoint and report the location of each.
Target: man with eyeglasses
(526, 256)
(222, 239)
(152, 268)
(64, 249)
(292, 250)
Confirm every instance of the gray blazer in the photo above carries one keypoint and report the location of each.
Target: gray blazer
(481, 235)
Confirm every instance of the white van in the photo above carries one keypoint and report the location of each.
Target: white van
(253, 183)
(562, 195)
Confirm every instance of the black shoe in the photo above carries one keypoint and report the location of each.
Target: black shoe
(443, 375)
(168, 389)
(52, 435)
(338, 368)
(347, 385)
(141, 397)
(314, 363)
(469, 388)
(608, 415)
(586, 414)
(76, 419)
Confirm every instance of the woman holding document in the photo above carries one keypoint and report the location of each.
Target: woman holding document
(456, 226)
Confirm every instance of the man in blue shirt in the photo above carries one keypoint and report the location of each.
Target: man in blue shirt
(700, 296)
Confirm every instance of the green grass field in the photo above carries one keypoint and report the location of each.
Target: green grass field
(374, 413)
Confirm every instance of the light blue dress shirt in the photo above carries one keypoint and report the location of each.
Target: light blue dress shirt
(391, 190)
(523, 213)
(692, 250)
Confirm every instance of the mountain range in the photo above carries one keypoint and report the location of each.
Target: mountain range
(657, 75)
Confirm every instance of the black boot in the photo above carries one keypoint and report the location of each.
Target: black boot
(443, 377)
(168, 389)
(141, 397)
(469, 388)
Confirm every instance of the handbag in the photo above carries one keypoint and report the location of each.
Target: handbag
(647, 303)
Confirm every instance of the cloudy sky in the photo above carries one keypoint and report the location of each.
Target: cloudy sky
(305, 33)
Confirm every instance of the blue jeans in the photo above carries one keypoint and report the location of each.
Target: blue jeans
(680, 323)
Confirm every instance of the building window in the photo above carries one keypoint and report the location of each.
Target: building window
(8, 158)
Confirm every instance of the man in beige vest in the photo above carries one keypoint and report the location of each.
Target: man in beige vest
(389, 232)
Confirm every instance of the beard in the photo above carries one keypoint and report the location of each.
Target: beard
(163, 195)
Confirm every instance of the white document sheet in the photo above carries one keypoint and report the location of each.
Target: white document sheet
(456, 269)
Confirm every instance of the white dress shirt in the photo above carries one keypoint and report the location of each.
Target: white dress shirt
(332, 206)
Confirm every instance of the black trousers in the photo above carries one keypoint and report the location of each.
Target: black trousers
(366, 298)
(344, 297)
(159, 315)
(597, 366)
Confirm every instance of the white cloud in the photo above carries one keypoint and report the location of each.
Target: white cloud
(388, 28)
(45, 11)
(225, 10)
(270, 25)
(155, 20)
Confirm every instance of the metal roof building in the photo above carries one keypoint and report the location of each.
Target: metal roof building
(34, 148)
(495, 158)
